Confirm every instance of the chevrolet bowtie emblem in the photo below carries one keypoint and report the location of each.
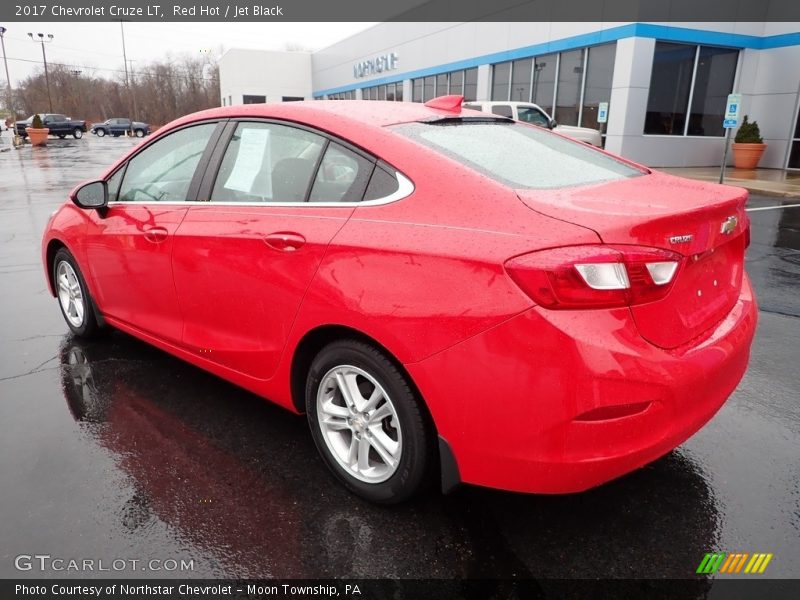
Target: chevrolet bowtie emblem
(729, 225)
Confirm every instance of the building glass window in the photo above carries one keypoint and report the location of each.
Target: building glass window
(471, 84)
(521, 80)
(570, 78)
(441, 84)
(381, 92)
(398, 91)
(253, 99)
(501, 75)
(669, 88)
(716, 68)
(457, 82)
(416, 90)
(674, 66)
(429, 89)
(599, 75)
(794, 150)
(544, 81)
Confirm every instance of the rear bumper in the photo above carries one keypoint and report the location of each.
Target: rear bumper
(534, 404)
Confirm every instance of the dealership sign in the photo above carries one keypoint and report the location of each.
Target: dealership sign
(379, 64)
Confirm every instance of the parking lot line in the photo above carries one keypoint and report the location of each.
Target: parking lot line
(773, 207)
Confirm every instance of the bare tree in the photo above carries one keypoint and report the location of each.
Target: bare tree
(164, 90)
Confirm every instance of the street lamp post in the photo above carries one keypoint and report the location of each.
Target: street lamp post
(537, 69)
(44, 60)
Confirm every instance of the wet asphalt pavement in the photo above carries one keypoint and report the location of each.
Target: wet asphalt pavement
(113, 449)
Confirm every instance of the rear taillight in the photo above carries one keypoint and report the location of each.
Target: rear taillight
(595, 276)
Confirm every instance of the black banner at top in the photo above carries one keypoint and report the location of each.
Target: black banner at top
(402, 10)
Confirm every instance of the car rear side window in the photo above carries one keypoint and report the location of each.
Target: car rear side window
(267, 162)
(517, 155)
(342, 176)
(163, 171)
(502, 110)
(381, 185)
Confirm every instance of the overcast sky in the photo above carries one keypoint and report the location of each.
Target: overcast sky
(97, 47)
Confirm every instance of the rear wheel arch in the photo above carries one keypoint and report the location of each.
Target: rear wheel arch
(316, 339)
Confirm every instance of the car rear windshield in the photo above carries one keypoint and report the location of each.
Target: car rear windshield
(519, 156)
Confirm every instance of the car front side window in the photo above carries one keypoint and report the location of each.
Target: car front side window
(163, 171)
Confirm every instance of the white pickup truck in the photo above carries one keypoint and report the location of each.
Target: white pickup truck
(528, 112)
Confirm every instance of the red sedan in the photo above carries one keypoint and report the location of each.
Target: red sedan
(443, 292)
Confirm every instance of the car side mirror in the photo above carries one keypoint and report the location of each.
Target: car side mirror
(91, 195)
(551, 124)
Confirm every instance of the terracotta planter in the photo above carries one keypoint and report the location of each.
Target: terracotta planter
(38, 136)
(746, 156)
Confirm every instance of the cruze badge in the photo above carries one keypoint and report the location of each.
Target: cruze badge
(681, 239)
(729, 225)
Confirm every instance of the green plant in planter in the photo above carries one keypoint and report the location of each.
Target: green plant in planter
(748, 133)
(36, 123)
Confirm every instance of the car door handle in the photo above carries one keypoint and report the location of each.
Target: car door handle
(285, 241)
(155, 234)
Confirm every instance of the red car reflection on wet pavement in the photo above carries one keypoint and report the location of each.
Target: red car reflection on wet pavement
(442, 292)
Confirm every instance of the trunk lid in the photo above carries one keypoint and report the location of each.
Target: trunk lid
(703, 222)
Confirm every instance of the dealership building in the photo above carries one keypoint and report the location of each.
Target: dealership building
(665, 84)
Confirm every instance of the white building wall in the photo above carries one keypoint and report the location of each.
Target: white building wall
(422, 46)
(629, 90)
(264, 73)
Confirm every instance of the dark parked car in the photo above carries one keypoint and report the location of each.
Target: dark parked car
(118, 127)
(59, 125)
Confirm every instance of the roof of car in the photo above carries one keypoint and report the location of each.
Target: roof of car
(371, 112)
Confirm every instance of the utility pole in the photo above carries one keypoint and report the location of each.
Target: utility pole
(44, 60)
(125, 62)
(8, 79)
(133, 92)
(124, 55)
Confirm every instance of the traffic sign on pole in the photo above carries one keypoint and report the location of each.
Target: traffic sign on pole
(602, 112)
(733, 111)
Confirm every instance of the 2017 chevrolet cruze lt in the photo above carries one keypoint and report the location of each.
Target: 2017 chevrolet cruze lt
(442, 292)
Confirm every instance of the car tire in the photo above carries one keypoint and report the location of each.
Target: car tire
(77, 133)
(101, 132)
(73, 296)
(377, 442)
(138, 133)
(61, 136)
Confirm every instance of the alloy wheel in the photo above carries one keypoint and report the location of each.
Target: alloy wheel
(69, 294)
(359, 424)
